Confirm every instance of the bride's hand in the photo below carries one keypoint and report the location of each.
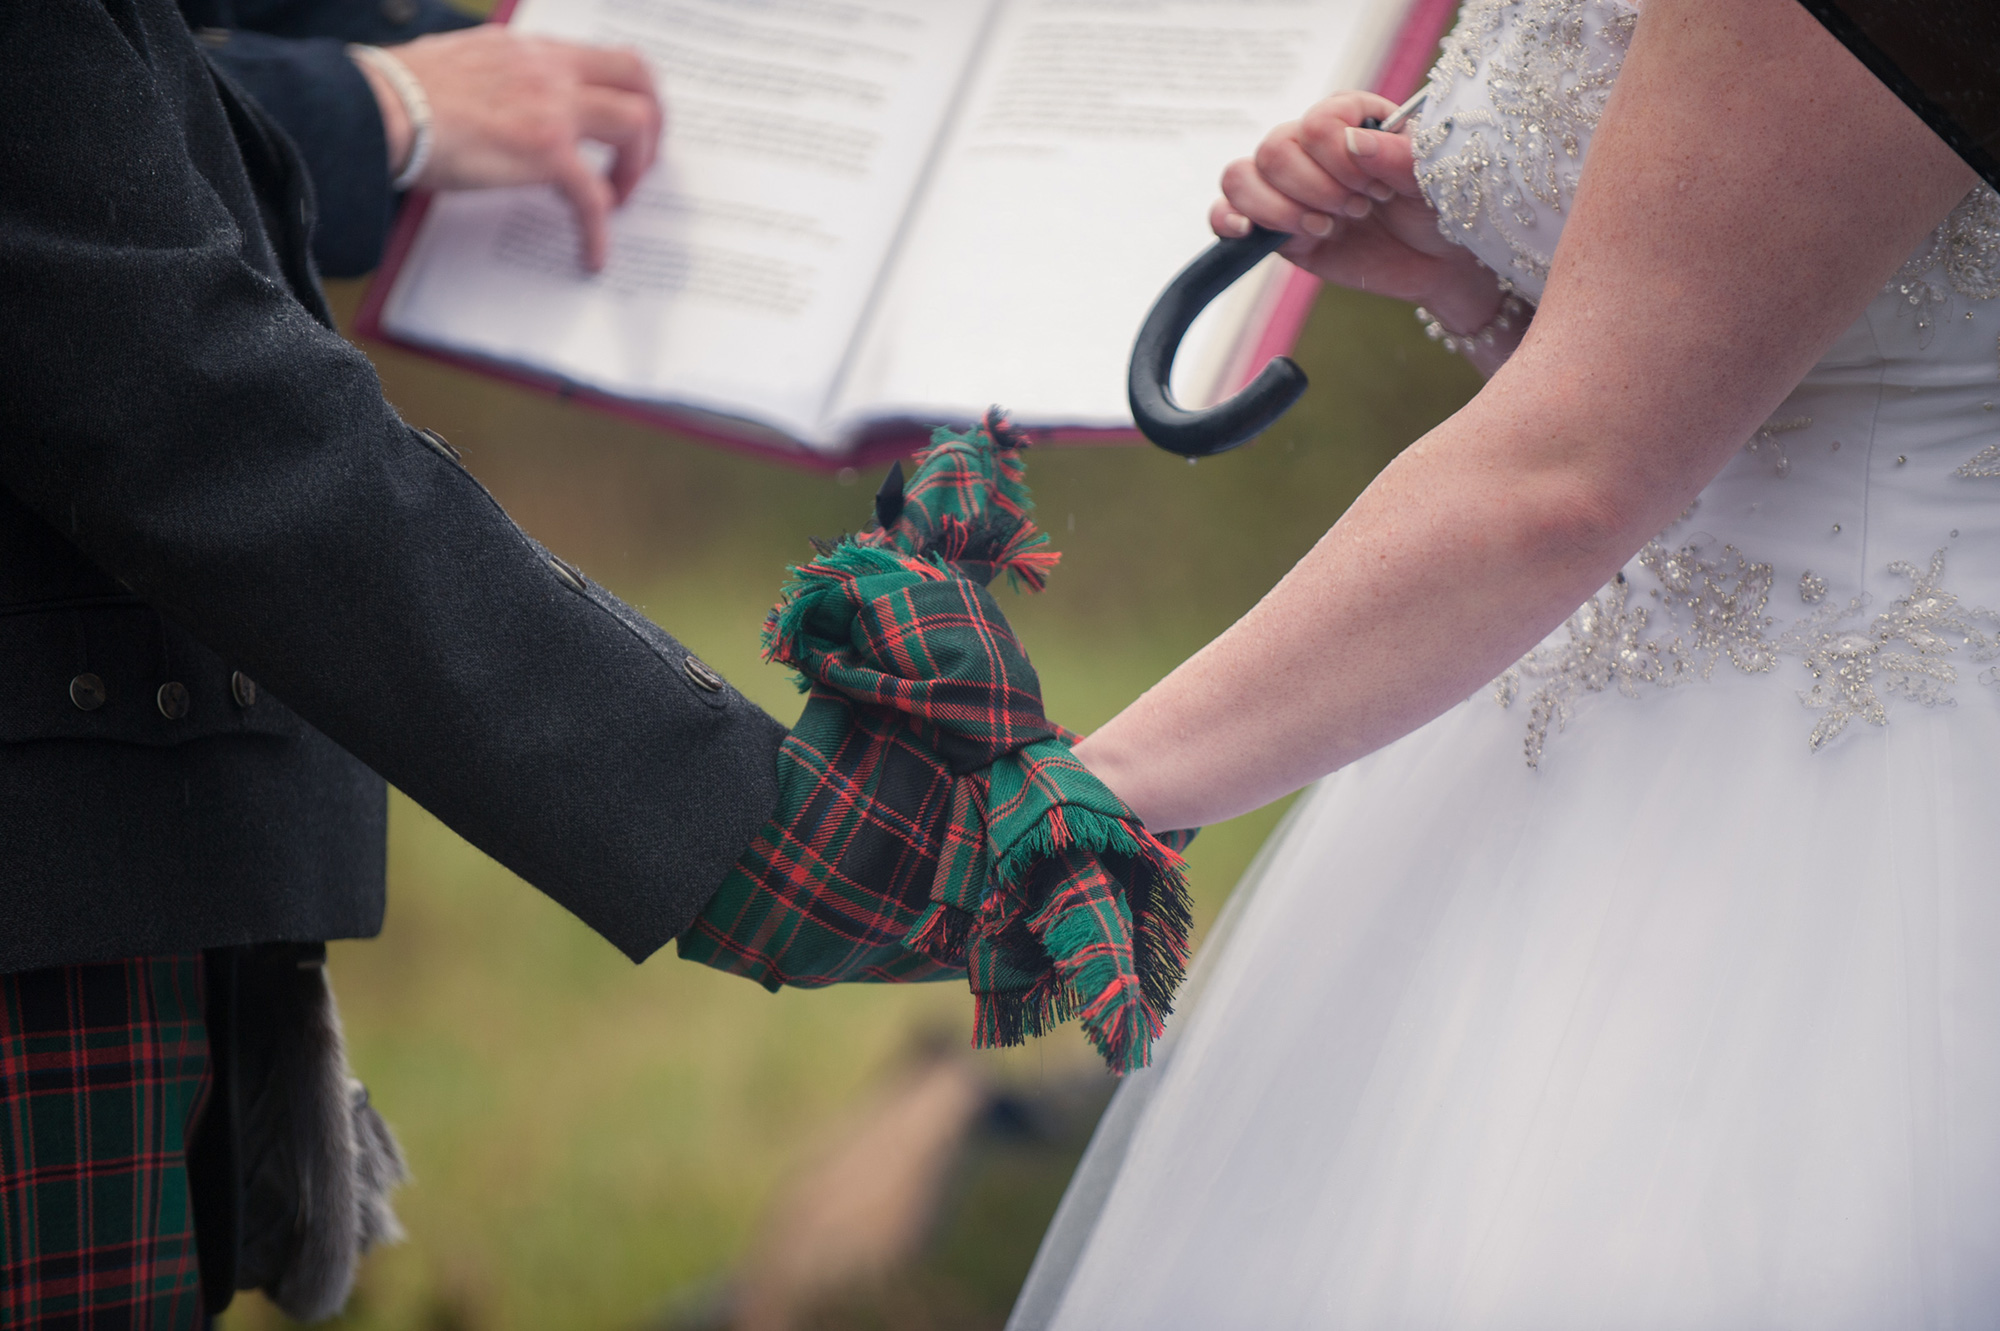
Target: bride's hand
(1349, 196)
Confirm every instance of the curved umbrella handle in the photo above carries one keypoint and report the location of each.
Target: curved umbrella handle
(1200, 434)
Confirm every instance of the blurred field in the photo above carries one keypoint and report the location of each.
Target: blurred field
(593, 1141)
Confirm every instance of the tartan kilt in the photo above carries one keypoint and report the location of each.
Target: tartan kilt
(102, 1070)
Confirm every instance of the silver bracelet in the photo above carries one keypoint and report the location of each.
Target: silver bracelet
(1512, 310)
(415, 105)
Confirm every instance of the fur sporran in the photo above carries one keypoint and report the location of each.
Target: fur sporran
(314, 1162)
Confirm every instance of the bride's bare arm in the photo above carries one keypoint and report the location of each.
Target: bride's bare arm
(1749, 190)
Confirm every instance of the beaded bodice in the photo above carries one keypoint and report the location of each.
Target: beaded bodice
(1850, 549)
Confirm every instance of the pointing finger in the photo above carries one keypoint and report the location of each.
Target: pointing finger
(589, 194)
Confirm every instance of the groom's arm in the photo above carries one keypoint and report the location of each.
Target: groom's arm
(175, 411)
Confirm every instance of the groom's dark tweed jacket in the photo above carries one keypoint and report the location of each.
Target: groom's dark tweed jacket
(201, 486)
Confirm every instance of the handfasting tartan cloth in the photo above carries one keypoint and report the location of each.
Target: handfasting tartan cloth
(931, 821)
(101, 1069)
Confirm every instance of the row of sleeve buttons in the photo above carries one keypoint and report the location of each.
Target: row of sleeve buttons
(697, 672)
(88, 693)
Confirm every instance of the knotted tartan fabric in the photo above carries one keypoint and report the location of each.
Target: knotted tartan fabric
(932, 822)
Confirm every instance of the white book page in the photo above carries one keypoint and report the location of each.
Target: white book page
(1076, 182)
(740, 269)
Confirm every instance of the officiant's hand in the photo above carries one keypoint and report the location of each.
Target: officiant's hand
(1350, 198)
(513, 110)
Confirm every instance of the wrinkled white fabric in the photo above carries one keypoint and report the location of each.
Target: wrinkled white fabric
(1695, 1025)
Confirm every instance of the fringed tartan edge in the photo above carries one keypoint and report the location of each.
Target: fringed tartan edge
(992, 450)
(943, 933)
(839, 566)
(1121, 1012)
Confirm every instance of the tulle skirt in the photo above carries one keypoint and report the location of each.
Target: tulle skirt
(1692, 1028)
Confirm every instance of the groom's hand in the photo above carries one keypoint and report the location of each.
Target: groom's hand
(920, 682)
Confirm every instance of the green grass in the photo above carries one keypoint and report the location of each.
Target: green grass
(590, 1138)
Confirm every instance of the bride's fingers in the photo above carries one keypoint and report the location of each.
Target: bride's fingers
(1322, 134)
(1384, 161)
(1286, 167)
(1226, 222)
(1248, 194)
(1351, 108)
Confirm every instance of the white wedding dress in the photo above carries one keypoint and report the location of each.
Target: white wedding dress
(1657, 986)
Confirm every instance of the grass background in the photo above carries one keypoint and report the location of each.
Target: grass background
(592, 1140)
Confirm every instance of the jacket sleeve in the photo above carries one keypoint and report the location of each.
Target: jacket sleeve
(175, 411)
(312, 89)
(292, 58)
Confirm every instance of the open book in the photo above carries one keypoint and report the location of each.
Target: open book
(872, 216)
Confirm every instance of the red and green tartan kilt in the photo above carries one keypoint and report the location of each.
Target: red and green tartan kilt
(102, 1068)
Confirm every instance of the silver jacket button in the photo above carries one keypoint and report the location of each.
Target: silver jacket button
(438, 443)
(173, 700)
(568, 572)
(87, 692)
(700, 675)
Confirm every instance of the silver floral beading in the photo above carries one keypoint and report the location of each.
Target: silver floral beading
(1769, 442)
(1853, 665)
(1607, 645)
(1713, 609)
(1986, 462)
(1964, 251)
(1961, 258)
(1546, 86)
(1611, 641)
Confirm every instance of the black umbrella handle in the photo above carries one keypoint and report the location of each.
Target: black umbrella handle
(1200, 434)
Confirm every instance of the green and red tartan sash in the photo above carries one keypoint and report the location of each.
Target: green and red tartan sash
(931, 821)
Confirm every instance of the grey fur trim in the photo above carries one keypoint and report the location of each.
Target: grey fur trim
(318, 1162)
(378, 1171)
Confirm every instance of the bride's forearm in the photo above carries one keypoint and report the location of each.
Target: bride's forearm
(1719, 242)
(1442, 574)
